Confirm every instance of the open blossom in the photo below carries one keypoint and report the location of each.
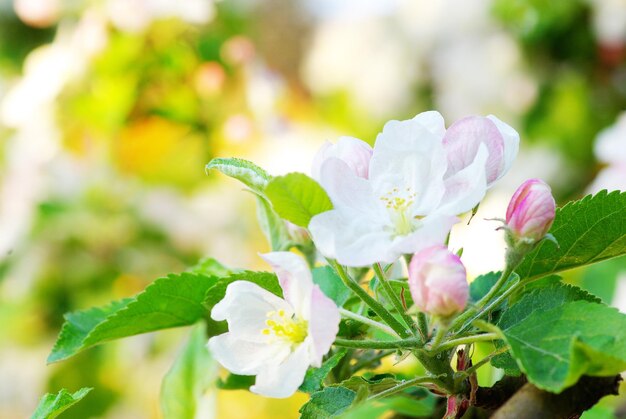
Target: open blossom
(273, 338)
(438, 281)
(418, 179)
(531, 211)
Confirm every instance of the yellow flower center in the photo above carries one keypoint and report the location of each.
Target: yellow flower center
(290, 329)
(398, 202)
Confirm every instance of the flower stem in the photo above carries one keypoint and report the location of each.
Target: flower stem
(422, 325)
(393, 298)
(464, 340)
(491, 305)
(482, 362)
(404, 385)
(508, 270)
(411, 343)
(378, 308)
(365, 320)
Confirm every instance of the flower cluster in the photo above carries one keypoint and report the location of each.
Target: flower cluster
(399, 198)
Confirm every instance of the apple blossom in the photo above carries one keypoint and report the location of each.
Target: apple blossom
(352, 151)
(463, 139)
(438, 281)
(419, 178)
(273, 338)
(531, 212)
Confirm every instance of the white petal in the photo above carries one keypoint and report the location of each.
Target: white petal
(511, 143)
(245, 306)
(345, 189)
(433, 121)
(352, 239)
(245, 357)
(466, 188)
(324, 320)
(433, 231)
(294, 277)
(283, 380)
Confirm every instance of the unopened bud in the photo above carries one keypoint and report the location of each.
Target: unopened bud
(438, 281)
(530, 213)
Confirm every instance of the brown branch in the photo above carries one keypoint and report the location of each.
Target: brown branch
(531, 402)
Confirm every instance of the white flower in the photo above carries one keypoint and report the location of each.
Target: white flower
(419, 179)
(273, 338)
(354, 152)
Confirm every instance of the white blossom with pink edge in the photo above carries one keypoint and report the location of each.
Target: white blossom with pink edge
(418, 179)
(273, 338)
(438, 281)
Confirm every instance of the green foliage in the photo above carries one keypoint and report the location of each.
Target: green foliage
(314, 378)
(401, 405)
(331, 285)
(272, 225)
(52, 405)
(365, 386)
(330, 402)
(588, 231)
(244, 171)
(215, 294)
(172, 301)
(236, 382)
(554, 347)
(211, 267)
(551, 294)
(297, 198)
(190, 376)
(480, 286)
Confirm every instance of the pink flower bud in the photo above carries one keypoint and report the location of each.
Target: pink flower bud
(438, 281)
(356, 154)
(531, 211)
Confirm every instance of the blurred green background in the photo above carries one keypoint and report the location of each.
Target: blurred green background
(109, 110)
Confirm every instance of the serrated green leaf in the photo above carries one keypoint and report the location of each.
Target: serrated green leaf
(328, 403)
(314, 378)
(215, 294)
(481, 285)
(588, 231)
(555, 347)
(211, 267)
(52, 405)
(172, 301)
(236, 382)
(331, 285)
(401, 405)
(371, 385)
(244, 171)
(272, 225)
(297, 198)
(551, 294)
(188, 379)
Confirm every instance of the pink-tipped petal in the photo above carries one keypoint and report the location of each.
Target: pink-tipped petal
(324, 320)
(294, 277)
(531, 211)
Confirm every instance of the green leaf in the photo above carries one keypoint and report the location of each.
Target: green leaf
(555, 347)
(272, 225)
(172, 301)
(215, 294)
(186, 382)
(52, 405)
(244, 171)
(297, 198)
(401, 405)
(211, 267)
(480, 286)
(370, 385)
(551, 294)
(331, 285)
(236, 382)
(588, 231)
(314, 378)
(328, 403)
